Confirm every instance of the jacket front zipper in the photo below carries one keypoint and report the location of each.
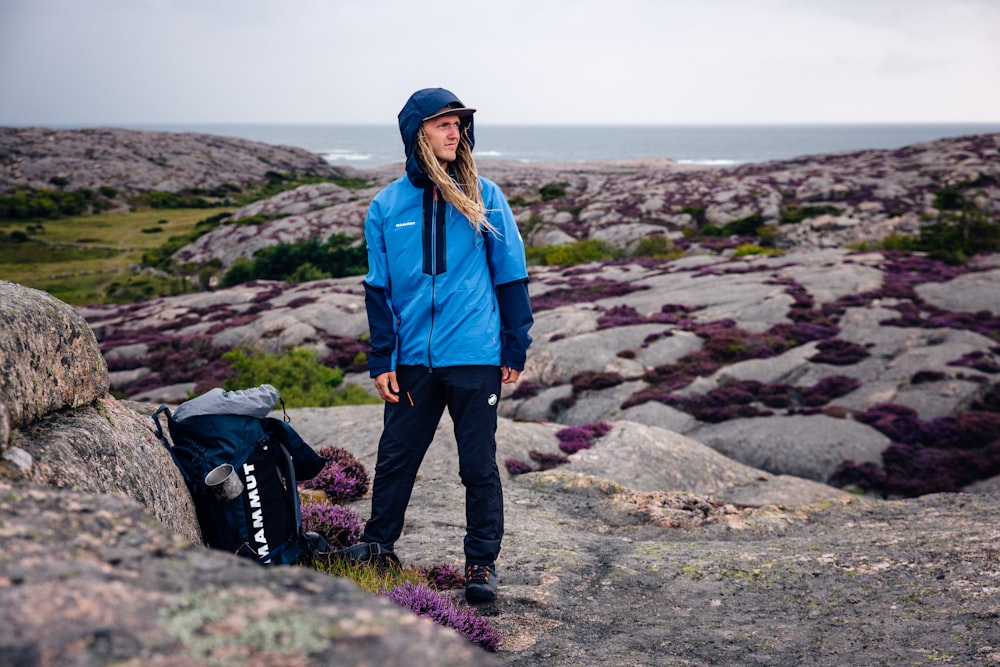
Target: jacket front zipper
(433, 250)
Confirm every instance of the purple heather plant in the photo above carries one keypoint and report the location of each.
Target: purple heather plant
(978, 360)
(233, 322)
(838, 352)
(192, 358)
(594, 380)
(547, 461)
(940, 455)
(343, 479)
(346, 353)
(581, 290)
(620, 316)
(424, 601)
(267, 295)
(517, 467)
(923, 377)
(526, 390)
(827, 389)
(738, 399)
(574, 438)
(340, 525)
(443, 577)
(990, 400)
(301, 301)
(124, 363)
(562, 404)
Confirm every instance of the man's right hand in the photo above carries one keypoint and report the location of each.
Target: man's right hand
(386, 386)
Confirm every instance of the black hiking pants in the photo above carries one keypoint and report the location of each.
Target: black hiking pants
(471, 394)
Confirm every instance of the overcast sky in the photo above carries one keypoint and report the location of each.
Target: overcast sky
(518, 61)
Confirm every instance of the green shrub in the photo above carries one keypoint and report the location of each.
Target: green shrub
(697, 214)
(551, 191)
(578, 252)
(307, 272)
(794, 213)
(159, 199)
(950, 198)
(658, 246)
(767, 235)
(311, 259)
(298, 376)
(239, 272)
(747, 226)
(898, 242)
(962, 235)
(32, 204)
(139, 287)
(955, 238)
(530, 223)
(753, 249)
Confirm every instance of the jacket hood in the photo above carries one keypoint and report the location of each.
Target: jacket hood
(422, 104)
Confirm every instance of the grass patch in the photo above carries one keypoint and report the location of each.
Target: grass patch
(77, 259)
(372, 579)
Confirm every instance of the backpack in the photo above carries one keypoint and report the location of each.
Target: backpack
(242, 467)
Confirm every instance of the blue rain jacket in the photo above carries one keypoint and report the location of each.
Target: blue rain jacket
(437, 292)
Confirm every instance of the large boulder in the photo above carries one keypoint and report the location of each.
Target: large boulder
(109, 447)
(49, 354)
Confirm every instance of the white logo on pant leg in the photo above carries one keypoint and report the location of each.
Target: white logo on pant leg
(492, 400)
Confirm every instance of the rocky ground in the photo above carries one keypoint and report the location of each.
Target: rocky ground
(699, 524)
(834, 335)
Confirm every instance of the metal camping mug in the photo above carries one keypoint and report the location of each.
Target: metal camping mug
(224, 483)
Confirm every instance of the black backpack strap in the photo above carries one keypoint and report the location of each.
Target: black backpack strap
(166, 443)
(293, 489)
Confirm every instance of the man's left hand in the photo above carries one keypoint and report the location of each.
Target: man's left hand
(509, 375)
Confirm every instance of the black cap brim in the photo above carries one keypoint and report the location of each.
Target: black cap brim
(461, 112)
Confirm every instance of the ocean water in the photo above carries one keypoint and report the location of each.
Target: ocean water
(364, 146)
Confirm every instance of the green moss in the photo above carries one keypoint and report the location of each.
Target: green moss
(283, 631)
(102, 410)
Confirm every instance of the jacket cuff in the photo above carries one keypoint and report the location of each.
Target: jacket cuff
(515, 320)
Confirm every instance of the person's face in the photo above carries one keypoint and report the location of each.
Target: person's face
(443, 133)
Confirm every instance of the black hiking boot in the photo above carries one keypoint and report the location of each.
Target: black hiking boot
(367, 553)
(480, 582)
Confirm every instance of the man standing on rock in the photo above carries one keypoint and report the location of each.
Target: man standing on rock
(448, 310)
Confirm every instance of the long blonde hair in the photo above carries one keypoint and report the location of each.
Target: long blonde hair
(464, 191)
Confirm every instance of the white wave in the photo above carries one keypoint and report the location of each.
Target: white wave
(489, 153)
(712, 163)
(338, 155)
